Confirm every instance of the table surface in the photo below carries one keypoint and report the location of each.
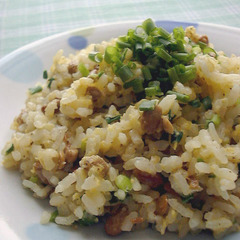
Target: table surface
(24, 21)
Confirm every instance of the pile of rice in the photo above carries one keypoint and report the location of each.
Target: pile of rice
(67, 152)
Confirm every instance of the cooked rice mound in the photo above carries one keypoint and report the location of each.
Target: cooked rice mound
(68, 152)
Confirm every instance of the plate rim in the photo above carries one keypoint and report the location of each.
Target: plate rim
(41, 41)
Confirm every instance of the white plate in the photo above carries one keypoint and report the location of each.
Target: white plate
(19, 212)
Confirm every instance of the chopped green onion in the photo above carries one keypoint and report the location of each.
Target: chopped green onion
(148, 25)
(187, 76)
(53, 216)
(216, 120)
(186, 199)
(100, 74)
(207, 103)
(200, 160)
(83, 70)
(88, 219)
(208, 50)
(33, 179)
(124, 73)
(136, 84)
(183, 57)
(147, 49)
(179, 33)
(164, 33)
(120, 44)
(170, 117)
(153, 91)
(123, 182)
(124, 54)
(211, 175)
(180, 97)
(35, 90)
(45, 74)
(195, 103)
(95, 57)
(146, 73)
(83, 145)
(9, 150)
(50, 82)
(202, 44)
(132, 65)
(147, 105)
(112, 119)
(140, 34)
(176, 136)
(163, 54)
(172, 73)
(111, 54)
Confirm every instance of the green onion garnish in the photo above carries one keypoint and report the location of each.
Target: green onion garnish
(163, 54)
(112, 119)
(207, 103)
(50, 82)
(53, 216)
(216, 120)
(172, 73)
(33, 179)
(123, 182)
(10, 149)
(121, 44)
(95, 57)
(147, 105)
(111, 54)
(146, 73)
(186, 199)
(200, 160)
(35, 90)
(170, 117)
(195, 103)
(148, 25)
(164, 33)
(180, 97)
(179, 33)
(176, 136)
(45, 74)
(136, 84)
(211, 175)
(87, 219)
(125, 73)
(83, 70)
(100, 74)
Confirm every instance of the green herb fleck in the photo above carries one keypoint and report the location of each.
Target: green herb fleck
(88, 219)
(170, 117)
(186, 199)
(33, 179)
(53, 216)
(147, 105)
(207, 103)
(112, 119)
(9, 150)
(50, 82)
(200, 160)
(83, 70)
(211, 175)
(123, 182)
(195, 103)
(176, 136)
(45, 74)
(35, 90)
(100, 74)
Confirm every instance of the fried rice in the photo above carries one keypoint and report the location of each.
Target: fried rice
(97, 152)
